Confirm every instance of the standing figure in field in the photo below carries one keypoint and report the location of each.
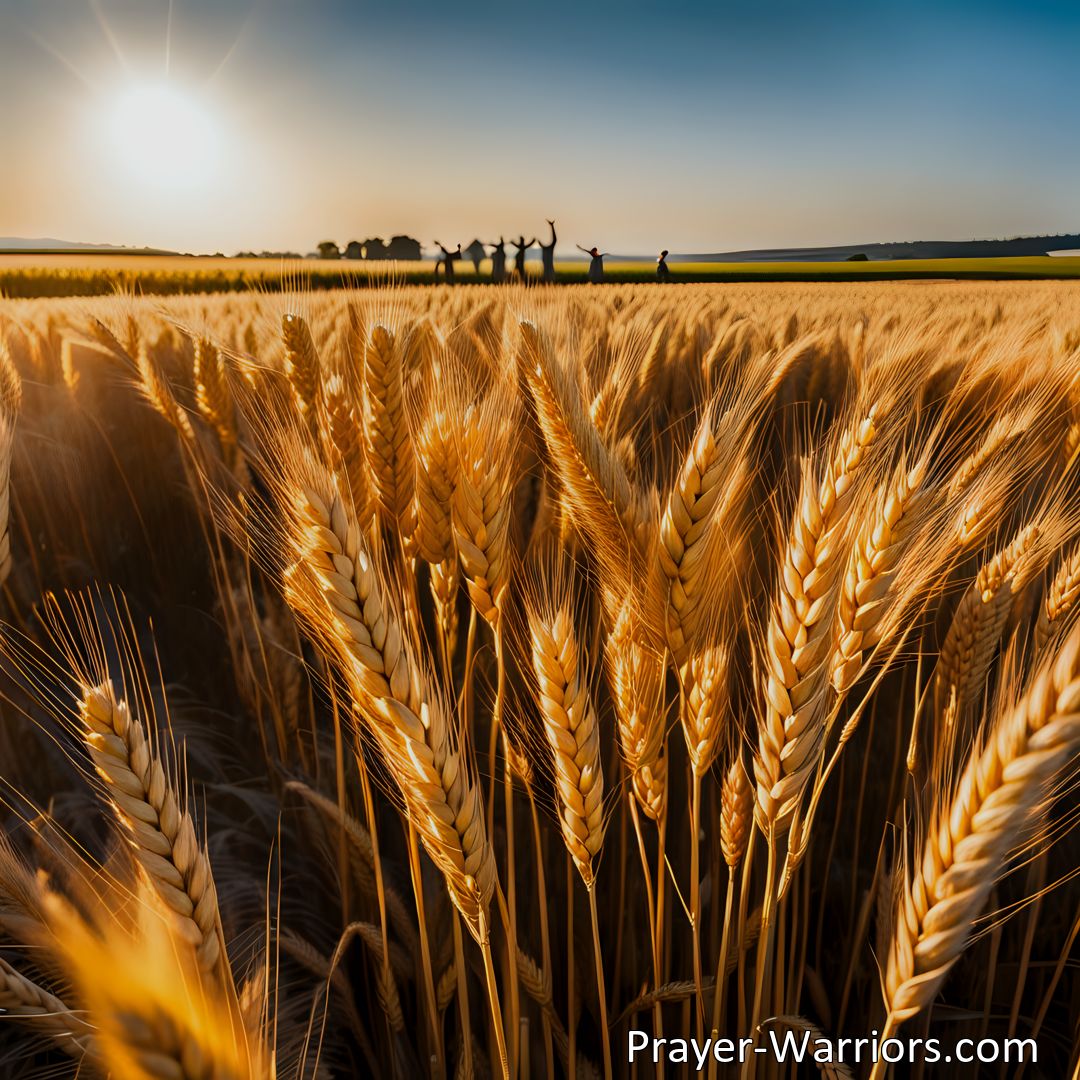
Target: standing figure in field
(547, 253)
(447, 261)
(662, 271)
(498, 261)
(519, 255)
(596, 265)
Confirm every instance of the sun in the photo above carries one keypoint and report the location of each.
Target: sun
(163, 137)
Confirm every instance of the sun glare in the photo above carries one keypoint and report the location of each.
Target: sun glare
(164, 138)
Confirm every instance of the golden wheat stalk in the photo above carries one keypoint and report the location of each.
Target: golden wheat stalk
(968, 648)
(1002, 432)
(871, 572)
(39, 1010)
(159, 393)
(699, 548)
(350, 611)
(1061, 597)
(160, 830)
(212, 394)
(799, 633)
(345, 432)
(1006, 786)
(706, 692)
(363, 861)
(736, 814)
(603, 502)
(483, 502)
(303, 368)
(437, 474)
(156, 1017)
(572, 732)
(388, 444)
(636, 678)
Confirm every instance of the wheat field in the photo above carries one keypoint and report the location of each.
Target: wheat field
(430, 682)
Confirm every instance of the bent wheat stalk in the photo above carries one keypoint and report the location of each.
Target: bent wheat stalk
(348, 607)
(1005, 788)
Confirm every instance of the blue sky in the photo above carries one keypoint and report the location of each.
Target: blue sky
(698, 127)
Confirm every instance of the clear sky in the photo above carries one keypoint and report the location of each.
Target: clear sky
(208, 125)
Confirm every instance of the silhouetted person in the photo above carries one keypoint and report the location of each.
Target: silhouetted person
(447, 261)
(498, 260)
(519, 255)
(596, 266)
(547, 253)
(662, 271)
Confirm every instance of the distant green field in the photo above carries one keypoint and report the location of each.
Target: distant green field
(1033, 267)
(25, 275)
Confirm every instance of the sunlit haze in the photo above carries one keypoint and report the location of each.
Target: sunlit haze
(222, 125)
(161, 139)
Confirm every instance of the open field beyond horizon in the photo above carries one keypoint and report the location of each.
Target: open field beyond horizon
(443, 683)
(77, 274)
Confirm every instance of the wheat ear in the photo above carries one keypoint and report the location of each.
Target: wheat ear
(736, 813)
(354, 620)
(155, 1016)
(24, 1000)
(437, 474)
(636, 678)
(800, 633)
(705, 691)
(303, 368)
(603, 503)
(483, 504)
(871, 572)
(149, 810)
(1004, 787)
(387, 441)
(212, 393)
(1061, 596)
(976, 626)
(346, 435)
(1003, 431)
(157, 391)
(698, 543)
(572, 732)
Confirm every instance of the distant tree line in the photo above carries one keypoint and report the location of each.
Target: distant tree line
(400, 248)
(268, 255)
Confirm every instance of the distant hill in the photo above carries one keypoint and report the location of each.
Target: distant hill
(1015, 247)
(38, 245)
